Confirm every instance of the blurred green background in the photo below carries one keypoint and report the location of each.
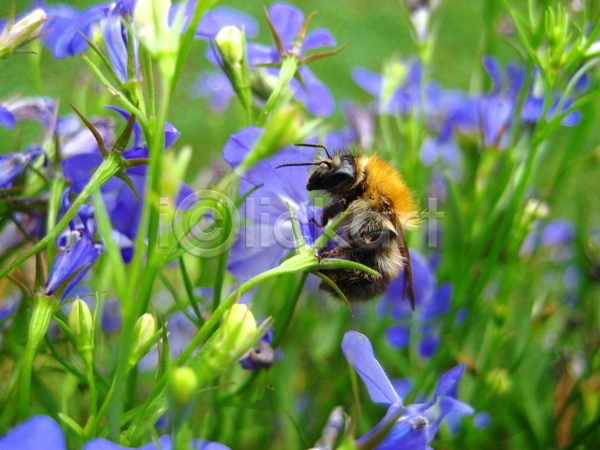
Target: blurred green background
(376, 31)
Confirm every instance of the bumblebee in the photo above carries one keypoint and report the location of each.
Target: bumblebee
(381, 208)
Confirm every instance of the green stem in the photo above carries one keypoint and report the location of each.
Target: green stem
(109, 167)
(289, 66)
(43, 309)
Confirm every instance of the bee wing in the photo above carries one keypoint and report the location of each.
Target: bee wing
(409, 287)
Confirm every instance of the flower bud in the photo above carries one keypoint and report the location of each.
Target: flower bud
(184, 383)
(150, 21)
(498, 380)
(80, 322)
(230, 42)
(239, 327)
(17, 35)
(143, 336)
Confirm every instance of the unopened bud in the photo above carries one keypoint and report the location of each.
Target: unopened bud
(230, 41)
(184, 383)
(150, 21)
(80, 322)
(143, 336)
(17, 35)
(239, 327)
(498, 380)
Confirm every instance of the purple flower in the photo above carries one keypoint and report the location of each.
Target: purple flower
(42, 432)
(13, 164)
(39, 109)
(558, 232)
(181, 331)
(412, 430)
(222, 16)
(35, 433)
(432, 301)
(164, 443)
(267, 238)
(217, 87)
(114, 34)
(63, 36)
(288, 20)
(262, 355)
(78, 252)
(406, 95)
(7, 119)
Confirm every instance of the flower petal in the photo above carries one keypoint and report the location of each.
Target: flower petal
(358, 351)
(287, 21)
(318, 38)
(35, 433)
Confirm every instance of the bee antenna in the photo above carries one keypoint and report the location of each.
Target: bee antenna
(315, 145)
(314, 163)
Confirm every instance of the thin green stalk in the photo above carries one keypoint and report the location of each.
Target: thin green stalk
(285, 316)
(43, 309)
(189, 288)
(289, 65)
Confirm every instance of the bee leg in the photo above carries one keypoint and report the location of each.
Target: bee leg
(335, 252)
(332, 210)
(313, 220)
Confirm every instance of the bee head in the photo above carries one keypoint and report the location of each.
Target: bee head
(336, 175)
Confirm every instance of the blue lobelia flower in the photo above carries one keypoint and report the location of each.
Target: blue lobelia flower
(288, 21)
(78, 252)
(42, 432)
(13, 164)
(432, 301)
(114, 34)
(162, 443)
(216, 86)
(401, 90)
(267, 236)
(410, 426)
(7, 119)
(35, 433)
(497, 109)
(223, 16)
(64, 31)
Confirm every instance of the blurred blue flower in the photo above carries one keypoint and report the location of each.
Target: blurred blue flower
(180, 331)
(262, 355)
(359, 128)
(40, 109)
(431, 302)
(13, 164)
(164, 443)
(114, 34)
(78, 252)
(35, 433)
(7, 119)
(216, 86)
(407, 95)
(497, 109)
(267, 237)
(558, 232)
(223, 16)
(42, 432)
(412, 430)
(63, 36)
